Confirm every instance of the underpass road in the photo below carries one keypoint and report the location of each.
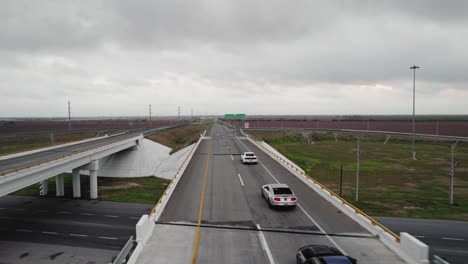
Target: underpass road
(80, 223)
(237, 224)
(447, 239)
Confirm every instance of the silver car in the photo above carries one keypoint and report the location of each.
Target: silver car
(279, 195)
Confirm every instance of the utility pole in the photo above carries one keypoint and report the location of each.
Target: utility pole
(341, 178)
(178, 112)
(413, 155)
(69, 117)
(150, 115)
(191, 114)
(358, 157)
(452, 171)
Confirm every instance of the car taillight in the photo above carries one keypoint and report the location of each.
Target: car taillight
(293, 199)
(277, 199)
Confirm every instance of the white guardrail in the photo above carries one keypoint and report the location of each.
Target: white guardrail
(146, 224)
(406, 246)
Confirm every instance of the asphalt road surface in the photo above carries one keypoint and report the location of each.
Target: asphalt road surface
(237, 226)
(67, 222)
(447, 239)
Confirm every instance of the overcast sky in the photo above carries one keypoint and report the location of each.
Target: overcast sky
(114, 58)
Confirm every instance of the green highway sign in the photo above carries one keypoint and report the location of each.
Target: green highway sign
(234, 115)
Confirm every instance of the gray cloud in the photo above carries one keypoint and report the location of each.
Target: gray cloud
(152, 49)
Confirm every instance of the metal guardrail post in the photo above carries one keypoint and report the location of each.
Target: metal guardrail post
(122, 256)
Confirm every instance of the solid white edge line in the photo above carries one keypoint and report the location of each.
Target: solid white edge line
(451, 238)
(232, 158)
(303, 210)
(264, 244)
(418, 236)
(321, 229)
(242, 182)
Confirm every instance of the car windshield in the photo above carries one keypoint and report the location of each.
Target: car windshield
(336, 260)
(282, 190)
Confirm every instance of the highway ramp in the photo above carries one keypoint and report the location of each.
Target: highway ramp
(237, 226)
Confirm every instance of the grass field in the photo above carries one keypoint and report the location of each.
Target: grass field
(19, 144)
(181, 137)
(145, 190)
(391, 184)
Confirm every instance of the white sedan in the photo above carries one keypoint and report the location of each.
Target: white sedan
(279, 195)
(249, 157)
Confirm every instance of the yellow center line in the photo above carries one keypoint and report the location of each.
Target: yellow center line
(200, 211)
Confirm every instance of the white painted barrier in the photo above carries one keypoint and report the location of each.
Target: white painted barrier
(146, 224)
(19, 154)
(406, 246)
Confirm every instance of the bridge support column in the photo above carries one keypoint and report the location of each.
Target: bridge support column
(93, 184)
(76, 183)
(43, 187)
(59, 185)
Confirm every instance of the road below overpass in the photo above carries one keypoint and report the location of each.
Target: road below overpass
(68, 222)
(447, 239)
(237, 226)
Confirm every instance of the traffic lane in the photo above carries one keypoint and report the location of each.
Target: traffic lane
(34, 158)
(430, 228)
(225, 205)
(254, 178)
(81, 234)
(184, 202)
(323, 212)
(225, 202)
(445, 238)
(353, 236)
(30, 206)
(219, 245)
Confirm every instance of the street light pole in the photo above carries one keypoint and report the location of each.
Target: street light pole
(413, 155)
(452, 171)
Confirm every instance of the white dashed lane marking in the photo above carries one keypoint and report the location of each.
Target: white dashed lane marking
(49, 233)
(24, 230)
(78, 235)
(109, 238)
(452, 238)
(240, 178)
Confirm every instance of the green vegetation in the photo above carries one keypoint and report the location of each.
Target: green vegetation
(19, 144)
(180, 137)
(391, 184)
(146, 190)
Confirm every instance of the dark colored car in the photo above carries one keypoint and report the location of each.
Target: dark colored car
(321, 254)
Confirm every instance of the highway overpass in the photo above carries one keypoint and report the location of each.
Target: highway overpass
(21, 170)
